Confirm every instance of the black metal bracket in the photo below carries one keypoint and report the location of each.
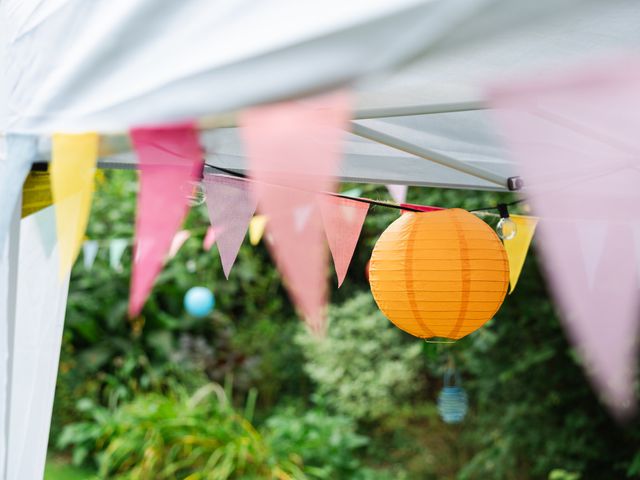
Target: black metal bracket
(514, 184)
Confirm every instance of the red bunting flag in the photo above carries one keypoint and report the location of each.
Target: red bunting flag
(170, 158)
(343, 220)
(231, 207)
(294, 149)
(575, 139)
(422, 208)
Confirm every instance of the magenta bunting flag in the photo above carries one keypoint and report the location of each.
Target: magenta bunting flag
(170, 160)
(294, 150)
(209, 239)
(576, 140)
(343, 220)
(231, 207)
(398, 192)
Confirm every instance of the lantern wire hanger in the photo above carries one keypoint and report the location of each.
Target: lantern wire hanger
(450, 366)
(439, 341)
(378, 203)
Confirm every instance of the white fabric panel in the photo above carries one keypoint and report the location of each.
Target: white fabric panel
(40, 307)
(459, 68)
(8, 285)
(109, 64)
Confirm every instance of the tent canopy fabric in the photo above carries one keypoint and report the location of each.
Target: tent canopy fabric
(419, 69)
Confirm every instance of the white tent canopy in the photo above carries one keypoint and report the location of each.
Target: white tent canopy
(418, 68)
(425, 124)
(419, 123)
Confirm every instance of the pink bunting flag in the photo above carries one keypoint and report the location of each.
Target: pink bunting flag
(294, 149)
(178, 241)
(169, 159)
(343, 220)
(575, 138)
(398, 192)
(231, 207)
(209, 239)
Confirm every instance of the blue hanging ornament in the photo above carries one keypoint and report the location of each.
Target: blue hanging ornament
(452, 400)
(199, 302)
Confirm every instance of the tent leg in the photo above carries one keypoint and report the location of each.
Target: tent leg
(8, 291)
(367, 113)
(39, 301)
(422, 152)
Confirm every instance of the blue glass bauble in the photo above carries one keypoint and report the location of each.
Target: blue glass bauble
(199, 301)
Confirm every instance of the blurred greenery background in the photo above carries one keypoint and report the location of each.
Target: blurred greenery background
(246, 393)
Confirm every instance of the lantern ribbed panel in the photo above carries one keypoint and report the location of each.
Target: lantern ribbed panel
(439, 274)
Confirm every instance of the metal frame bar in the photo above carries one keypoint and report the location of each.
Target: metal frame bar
(366, 113)
(428, 154)
(115, 143)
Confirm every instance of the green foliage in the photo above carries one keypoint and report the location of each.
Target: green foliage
(60, 470)
(327, 444)
(532, 413)
(110, 359)
(199, 436)
(535, 411)
(364, 367)
(559, 474)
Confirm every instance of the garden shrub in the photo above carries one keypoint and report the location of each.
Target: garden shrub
(365, 367)
(327, 444)
(199, 437)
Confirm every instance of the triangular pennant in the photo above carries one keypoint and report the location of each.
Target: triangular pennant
(518, 246)
(294, 151)
(231, 207)
(16, 158)
(398, 192)
(343, 220)
(636, 242)
(301, 216)
(209, 239)
(178, 240)
(591, 242)
(117, 246)
(89, 253)
(256, 229)
(73, 169)
(575, 139)
(169, 158)
(36, 193)
(422, 208)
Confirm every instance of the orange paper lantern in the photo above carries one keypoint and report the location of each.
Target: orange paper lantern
(439, 274)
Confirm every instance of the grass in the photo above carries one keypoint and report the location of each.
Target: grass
(57, 469)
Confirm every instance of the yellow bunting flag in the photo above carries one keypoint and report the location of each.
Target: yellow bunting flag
(73, 168)
(518, 246)
(36, 193)
(256, 229)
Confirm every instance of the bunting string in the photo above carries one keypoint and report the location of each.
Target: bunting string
(378, 203)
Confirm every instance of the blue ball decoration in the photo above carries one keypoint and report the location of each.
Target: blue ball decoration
(452, 402)
(199, 302)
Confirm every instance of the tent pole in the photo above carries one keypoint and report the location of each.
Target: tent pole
(118, 142)
(8, 291)
(411, 110)
(427, 154)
